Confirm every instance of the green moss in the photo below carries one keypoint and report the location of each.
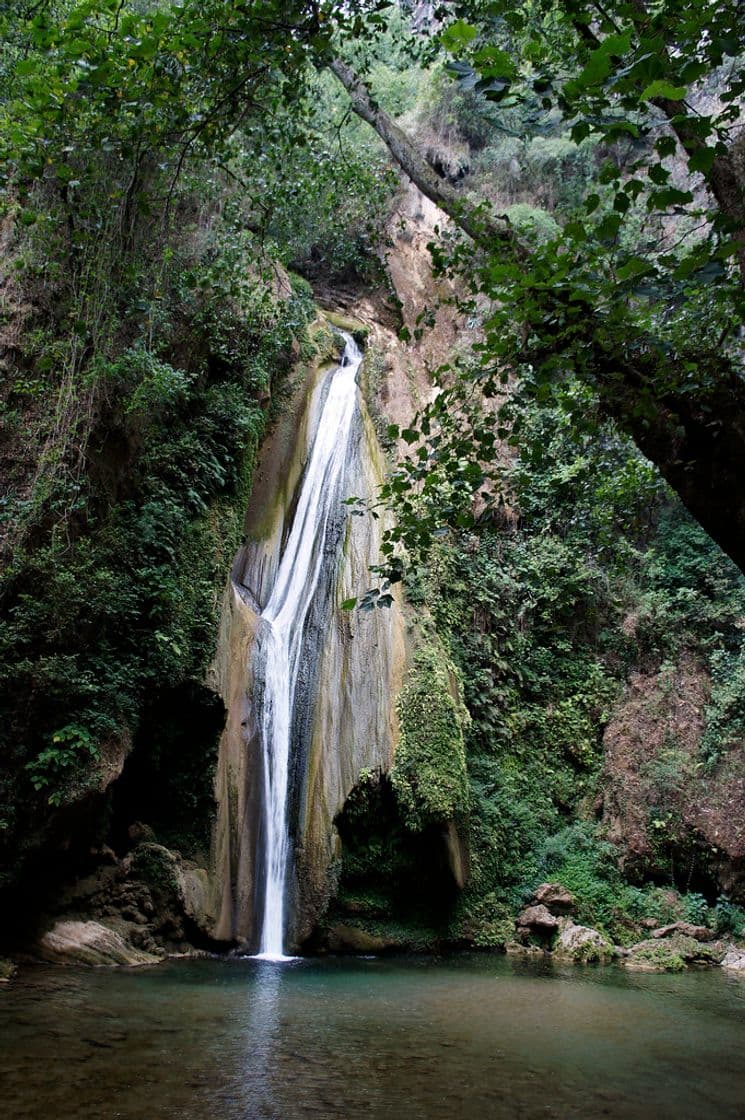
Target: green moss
(658, 956)
(7, 970)
(359, 331)
(487, 922)
(429, 776)
(154, 864)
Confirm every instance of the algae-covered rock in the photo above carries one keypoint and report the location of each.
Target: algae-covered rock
(90, 943)
(673, 954)
(582, 944)
(7, 970)
(350, 939)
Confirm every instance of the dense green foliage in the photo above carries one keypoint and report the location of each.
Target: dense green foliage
(159, 166)
(634, 283)
(534, 616)
(429, 777)
(162, 166)
(123, 603)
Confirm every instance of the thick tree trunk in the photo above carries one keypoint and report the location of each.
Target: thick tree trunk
(697, 442)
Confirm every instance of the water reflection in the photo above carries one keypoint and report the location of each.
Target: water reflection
(423, 1040)
(262, 1034)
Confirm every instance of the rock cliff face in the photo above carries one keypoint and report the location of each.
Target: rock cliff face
(660, 807)
(354, 670)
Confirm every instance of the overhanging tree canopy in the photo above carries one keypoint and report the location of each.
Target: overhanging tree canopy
(655, 332)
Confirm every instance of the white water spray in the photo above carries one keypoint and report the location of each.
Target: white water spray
(283, 624)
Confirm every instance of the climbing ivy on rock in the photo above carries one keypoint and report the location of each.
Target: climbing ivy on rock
(429, 777)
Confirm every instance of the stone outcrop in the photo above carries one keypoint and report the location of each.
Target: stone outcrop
(687, 929)
(673, 953)
(90, 943)
(537, 920)
(658, 806)
(149, 905)
(342, 938)
(349, 684)
(582, 944)
(555, 898)
(734, 959)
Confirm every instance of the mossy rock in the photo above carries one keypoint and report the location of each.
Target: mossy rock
(343, 938)
(7, 970)
(429, 777)
(582, 944)
(671, 954)
(325, 342)
(358, 330)
(155, 865)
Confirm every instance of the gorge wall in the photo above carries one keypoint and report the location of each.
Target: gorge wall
(356, 668)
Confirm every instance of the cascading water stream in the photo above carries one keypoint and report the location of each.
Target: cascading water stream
(281, 632)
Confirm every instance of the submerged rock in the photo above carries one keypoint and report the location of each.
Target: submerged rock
(582, 944)
(90, 943)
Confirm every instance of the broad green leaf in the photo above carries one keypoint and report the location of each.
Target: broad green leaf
(457, 36)
(663, 90)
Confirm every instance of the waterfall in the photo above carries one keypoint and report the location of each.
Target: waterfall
(280, 645)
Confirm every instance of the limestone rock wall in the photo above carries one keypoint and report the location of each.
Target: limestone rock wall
(354, 677)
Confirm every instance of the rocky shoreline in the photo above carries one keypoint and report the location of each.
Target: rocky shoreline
(545, 926)
(142, 913)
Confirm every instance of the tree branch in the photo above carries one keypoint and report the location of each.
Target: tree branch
(697, 444)
(481, 227)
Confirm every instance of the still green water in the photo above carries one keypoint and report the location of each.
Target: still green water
(467, 1037)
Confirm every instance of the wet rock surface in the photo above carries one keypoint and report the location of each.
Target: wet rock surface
(674, 953)
(90, 943)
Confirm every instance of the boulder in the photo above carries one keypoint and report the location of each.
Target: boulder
(7, 970)
(90, 943)
(140, 833)
(673, 953)
(687, 929)
(582, 944)
(350, 939)
(555, 898)
(734, 959)
(537, 919)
